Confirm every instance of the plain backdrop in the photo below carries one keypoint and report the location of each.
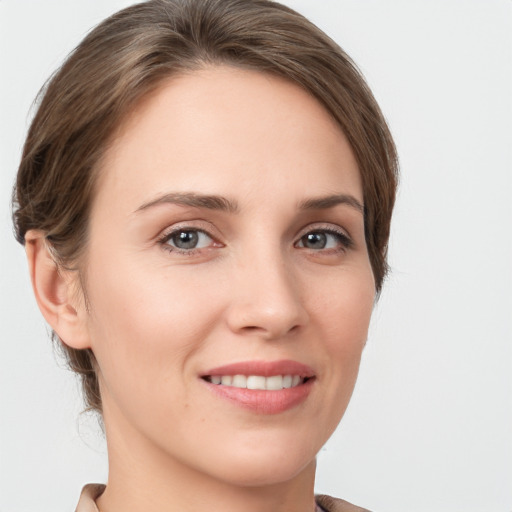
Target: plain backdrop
(430, 423)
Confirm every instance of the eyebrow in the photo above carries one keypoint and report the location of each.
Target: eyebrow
(210, 202)
(214, 202)
(326, 202)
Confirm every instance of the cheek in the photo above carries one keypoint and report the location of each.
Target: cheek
(146, 328)
(344, 315)
(344, 308)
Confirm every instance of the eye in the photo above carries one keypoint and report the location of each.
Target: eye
(324, 239)
(186, 240)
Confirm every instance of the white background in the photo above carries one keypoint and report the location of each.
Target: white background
(430, 424)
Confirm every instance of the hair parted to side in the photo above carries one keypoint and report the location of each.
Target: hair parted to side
(129, 55)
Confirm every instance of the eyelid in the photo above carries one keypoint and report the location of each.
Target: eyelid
(189, 225)
(333, 229)
(166, 237)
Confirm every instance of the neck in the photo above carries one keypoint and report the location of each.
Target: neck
(143, 479)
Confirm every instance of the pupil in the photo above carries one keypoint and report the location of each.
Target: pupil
(316, 240)
(186, 239)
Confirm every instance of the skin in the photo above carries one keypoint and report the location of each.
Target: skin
(159, 317)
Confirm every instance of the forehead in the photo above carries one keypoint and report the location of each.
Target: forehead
(226, 130)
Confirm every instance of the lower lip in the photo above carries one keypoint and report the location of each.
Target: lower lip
(262, 401)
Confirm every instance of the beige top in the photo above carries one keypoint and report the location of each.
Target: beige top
(91, 491)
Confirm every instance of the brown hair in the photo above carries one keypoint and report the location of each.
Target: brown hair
(129, 55)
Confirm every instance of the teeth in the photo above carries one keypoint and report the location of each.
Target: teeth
(239, 381)
(256, 382)
(226, 380)
(287, 381)
(273, 383)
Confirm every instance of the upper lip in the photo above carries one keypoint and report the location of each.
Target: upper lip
(263, 368)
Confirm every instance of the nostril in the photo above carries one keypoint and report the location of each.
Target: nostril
(252, 329)
(269, 333)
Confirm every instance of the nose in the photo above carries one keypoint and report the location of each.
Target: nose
(266, 299)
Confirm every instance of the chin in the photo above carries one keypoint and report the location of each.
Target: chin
(268, 462)
(264, 474)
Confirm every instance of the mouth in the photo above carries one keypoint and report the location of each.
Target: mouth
(260, 386)
(272, 383)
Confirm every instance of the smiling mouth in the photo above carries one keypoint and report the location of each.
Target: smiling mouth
(271, 383)
(262, 387)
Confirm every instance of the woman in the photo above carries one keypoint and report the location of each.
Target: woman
(205, 196)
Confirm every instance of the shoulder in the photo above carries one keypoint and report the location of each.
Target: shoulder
(330, 504)
(91, 491)
(88, 496)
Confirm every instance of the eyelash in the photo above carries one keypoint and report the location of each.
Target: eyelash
(342, 238)
(166, 237)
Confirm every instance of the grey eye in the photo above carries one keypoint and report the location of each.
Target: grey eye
(315, 240)
(188, 239)
(324, 239)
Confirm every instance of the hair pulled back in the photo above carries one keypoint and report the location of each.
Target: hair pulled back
(128, 56)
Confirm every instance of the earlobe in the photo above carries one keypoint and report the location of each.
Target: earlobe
(54, 291)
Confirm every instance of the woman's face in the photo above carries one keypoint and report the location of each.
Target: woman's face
(227, 238)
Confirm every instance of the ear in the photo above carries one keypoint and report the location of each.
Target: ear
(55, 292)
